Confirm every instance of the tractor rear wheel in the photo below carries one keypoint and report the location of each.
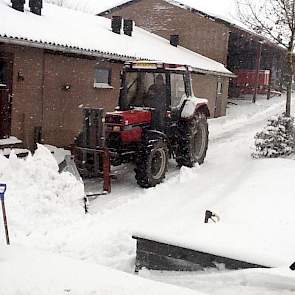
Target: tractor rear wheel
(193, 141)
(151, 164)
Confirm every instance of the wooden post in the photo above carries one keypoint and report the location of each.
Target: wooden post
(269, 85)
(258, 61)
(106, 171)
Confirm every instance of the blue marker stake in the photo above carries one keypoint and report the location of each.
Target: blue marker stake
(2, 196)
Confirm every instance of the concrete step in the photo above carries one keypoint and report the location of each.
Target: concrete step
(20, 153)
(12, 143)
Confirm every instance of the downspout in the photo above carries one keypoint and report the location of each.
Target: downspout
(42, 94)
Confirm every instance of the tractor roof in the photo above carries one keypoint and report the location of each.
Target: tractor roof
(155, 65)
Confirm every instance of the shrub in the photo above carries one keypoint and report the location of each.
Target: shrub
(276, 139)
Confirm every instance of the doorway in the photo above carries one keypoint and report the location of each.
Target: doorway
(6, 65)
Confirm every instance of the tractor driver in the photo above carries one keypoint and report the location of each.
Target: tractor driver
(156, 95)
(156, 98)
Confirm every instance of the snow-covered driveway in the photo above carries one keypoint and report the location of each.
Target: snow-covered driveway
(254, 199)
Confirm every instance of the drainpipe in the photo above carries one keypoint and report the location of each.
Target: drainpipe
(42, 93)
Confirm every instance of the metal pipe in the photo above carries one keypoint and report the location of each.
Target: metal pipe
(5, 221)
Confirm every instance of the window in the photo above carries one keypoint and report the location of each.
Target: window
(3, 75)
(146, 89)
(219, 87)
(177, 89)
(103, 78)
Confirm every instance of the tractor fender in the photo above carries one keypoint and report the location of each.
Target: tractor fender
(203, 109)
(154, 135)
(193, 105)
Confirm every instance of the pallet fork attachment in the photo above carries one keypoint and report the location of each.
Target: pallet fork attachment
(104, 155)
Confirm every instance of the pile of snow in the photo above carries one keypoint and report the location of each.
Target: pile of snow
(58, 153)
(27, 272)
(278, 281)
(276, 139)
(255, 209)
(38, 197)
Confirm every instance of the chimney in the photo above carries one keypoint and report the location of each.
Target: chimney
(174, 40)
(36, 6)
(116, 24)
(128, 27)
(18, 5)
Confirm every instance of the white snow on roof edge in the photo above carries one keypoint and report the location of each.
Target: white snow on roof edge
(91, 35)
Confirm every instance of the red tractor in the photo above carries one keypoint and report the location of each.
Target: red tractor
(157, 118)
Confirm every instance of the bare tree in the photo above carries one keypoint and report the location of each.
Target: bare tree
(275, 20)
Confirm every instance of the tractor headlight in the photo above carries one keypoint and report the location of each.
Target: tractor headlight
(116, 128)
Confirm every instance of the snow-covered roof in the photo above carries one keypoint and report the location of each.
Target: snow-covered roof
(225, 10)
(68, 30)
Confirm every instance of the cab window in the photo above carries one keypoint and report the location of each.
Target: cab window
(177, 89)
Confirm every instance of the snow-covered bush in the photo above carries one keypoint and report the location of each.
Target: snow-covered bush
(276, 139)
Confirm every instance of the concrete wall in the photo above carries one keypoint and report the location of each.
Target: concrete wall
(198, 33)
(205, 86)
(40, 99)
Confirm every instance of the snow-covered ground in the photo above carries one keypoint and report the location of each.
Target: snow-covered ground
(28, 272)
(254, 198)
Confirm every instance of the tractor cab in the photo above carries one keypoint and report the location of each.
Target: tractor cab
(158, 87)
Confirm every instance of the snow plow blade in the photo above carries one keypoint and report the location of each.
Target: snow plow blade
(68, 165)
(167, 257)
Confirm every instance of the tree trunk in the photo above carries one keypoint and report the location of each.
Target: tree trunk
(289, 81)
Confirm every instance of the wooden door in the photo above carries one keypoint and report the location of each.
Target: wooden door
(219, 98)
(5, 96)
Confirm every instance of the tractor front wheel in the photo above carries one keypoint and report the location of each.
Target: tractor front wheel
(193, 141)
(151, 164)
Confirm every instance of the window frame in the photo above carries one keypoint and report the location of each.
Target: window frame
(187, 76)
(103, 85)
(219, 87)
(185, 84)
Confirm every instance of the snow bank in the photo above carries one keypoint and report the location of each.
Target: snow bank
(37, 195)
(256, 214)
(279, 281)
(25, 272)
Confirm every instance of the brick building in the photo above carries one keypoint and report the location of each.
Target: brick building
(52, 65)
(198, 32)
(217, 36)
